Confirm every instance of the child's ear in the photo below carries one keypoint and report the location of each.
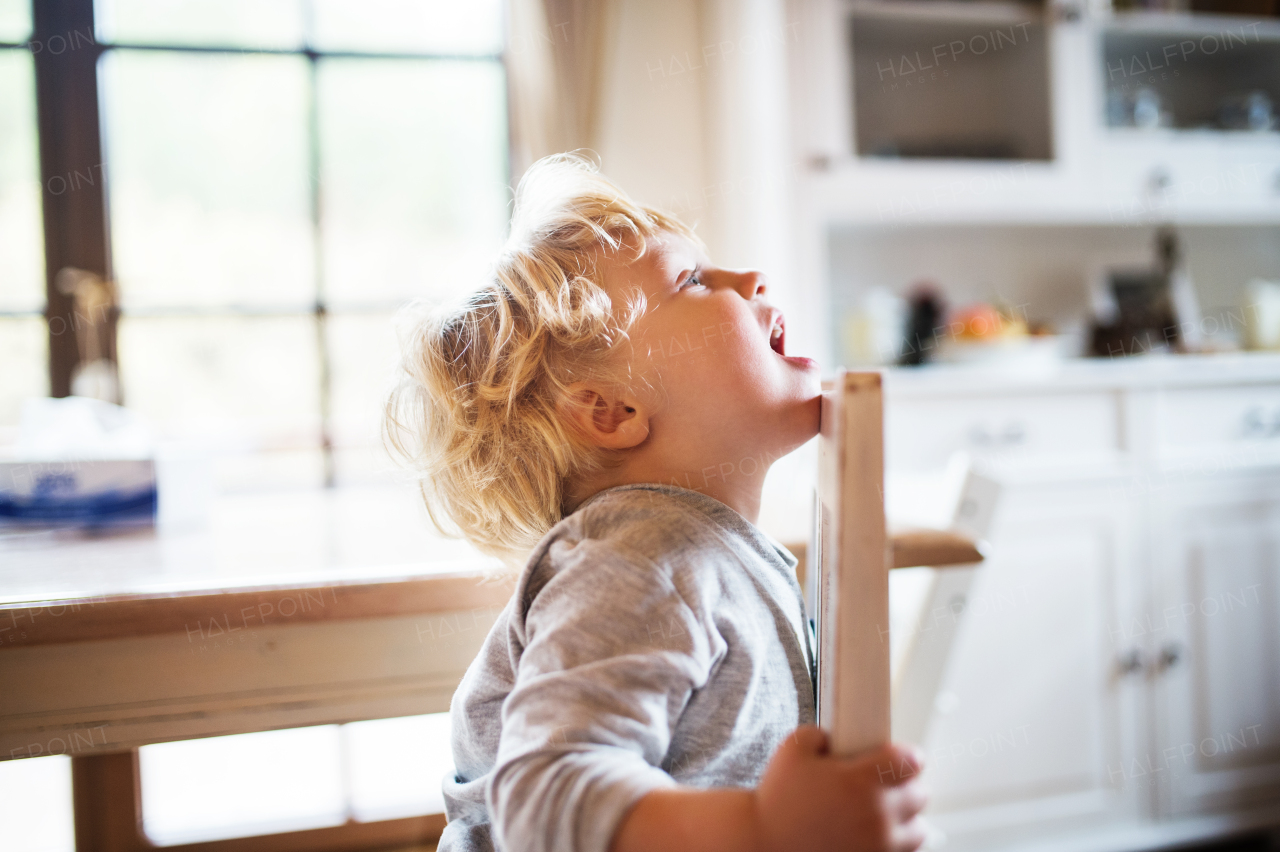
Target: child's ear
(608, 417)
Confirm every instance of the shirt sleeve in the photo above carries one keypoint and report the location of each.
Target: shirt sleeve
(612, 654)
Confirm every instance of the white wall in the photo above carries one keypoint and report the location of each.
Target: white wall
(652, 134)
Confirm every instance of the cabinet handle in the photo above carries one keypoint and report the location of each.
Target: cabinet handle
(1129, 663)
(1259, 423)
(1255, 424)
(979, 435)
(1170, 655)
(1013, 434)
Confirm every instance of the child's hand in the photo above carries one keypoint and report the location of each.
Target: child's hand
(810, 800)
(806, 800)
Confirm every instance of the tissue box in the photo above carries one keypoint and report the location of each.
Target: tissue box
(81, 492)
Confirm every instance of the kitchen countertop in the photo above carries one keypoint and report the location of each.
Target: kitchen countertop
(1142, 372)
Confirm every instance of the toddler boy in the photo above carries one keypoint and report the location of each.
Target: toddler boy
(612, 401)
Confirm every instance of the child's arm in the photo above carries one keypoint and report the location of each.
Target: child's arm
(611, 653)
(806, 800)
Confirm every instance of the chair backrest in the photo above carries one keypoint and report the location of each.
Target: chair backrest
(853, 562)
(860, 702)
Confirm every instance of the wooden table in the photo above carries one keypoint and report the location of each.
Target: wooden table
(288, 610)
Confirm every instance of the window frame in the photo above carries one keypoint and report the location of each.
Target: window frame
(76, 224)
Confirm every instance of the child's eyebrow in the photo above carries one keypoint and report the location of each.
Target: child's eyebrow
(685, 273)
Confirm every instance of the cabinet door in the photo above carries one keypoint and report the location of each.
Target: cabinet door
(1214, 654)
(1033, 719)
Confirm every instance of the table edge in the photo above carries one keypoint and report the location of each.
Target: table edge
(206, 613)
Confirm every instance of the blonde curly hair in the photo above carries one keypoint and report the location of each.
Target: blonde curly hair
(478, 411)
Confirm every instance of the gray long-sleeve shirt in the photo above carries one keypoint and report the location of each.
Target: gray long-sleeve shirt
(655, 637)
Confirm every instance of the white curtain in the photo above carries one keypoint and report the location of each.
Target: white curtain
(556, 56)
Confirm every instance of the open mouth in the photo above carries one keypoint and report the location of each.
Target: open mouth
(778, 336)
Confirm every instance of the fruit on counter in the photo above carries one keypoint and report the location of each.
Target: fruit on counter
(984, 322)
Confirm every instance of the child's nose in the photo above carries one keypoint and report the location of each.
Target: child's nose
(749, 283)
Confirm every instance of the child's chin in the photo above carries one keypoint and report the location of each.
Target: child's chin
(810, 383)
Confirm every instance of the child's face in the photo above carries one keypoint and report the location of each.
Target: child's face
(726, 397)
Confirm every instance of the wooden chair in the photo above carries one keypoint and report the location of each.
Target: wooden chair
(860, 703)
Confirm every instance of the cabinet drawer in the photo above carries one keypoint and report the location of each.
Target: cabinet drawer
(923, 433)
(1219, 418)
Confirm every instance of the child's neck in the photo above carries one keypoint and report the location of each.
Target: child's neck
(736, 489)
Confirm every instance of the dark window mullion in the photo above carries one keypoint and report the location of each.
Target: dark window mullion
(316, 186)
(75, 223)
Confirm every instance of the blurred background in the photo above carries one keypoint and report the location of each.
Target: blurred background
(1054, 227)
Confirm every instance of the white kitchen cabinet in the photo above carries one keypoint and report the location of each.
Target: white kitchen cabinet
(1032, 719)
(1030, 428)
(1095, 174)
(1235, 426)
(1115, 678)
(1213, 648)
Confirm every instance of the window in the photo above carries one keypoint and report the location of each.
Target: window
(23, 336)
(279, 179)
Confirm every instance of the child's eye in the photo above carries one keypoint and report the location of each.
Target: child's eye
(692, 280)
